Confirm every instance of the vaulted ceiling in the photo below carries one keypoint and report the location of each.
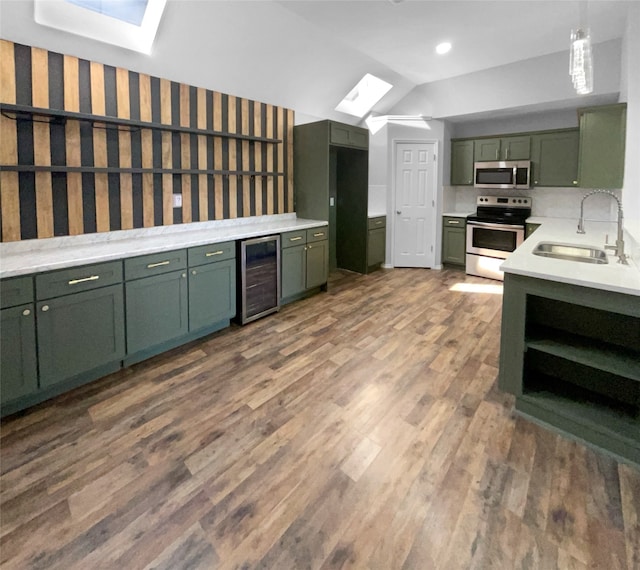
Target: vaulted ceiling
(307, 55)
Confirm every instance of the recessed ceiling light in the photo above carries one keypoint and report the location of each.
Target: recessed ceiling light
(443, 48)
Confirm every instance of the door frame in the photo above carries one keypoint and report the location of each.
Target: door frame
(392, 201)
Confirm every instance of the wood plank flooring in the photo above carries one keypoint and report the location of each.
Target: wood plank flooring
(361, 428)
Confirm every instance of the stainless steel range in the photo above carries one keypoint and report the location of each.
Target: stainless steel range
(493, 232)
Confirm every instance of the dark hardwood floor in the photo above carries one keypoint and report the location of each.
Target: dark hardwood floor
(361, 428)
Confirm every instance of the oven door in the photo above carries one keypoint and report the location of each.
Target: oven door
(493, 240)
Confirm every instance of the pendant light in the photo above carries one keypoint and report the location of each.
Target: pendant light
(580, 57)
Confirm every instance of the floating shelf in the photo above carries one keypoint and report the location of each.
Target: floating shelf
(58, 116)
(118, 170)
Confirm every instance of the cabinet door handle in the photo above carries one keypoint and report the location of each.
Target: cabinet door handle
(45, 308)
(184, 275)
(506, 156)
(26, 312)
(193, 272)
(497, 154)
(318, 234)
(84, 279)
(210, 253)
(159, 264)
(295, 238)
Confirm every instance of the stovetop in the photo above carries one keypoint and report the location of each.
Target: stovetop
(512, 210)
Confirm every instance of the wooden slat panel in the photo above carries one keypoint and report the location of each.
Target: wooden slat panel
(269, 165)
(217, 153)
(124, 149)
(74, 180)
(42, 142)
(233, 158)
(289, 150)
(10, 206)
(280, 166)
(203, 196)
(257, 130)
(185, 141)
(148, 218)
(246, 180)
(167, 154)
(98, 107)
(7, 72)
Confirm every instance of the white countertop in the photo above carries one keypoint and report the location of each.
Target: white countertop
(374, 214)
(612, 276)
(457, 214)
(33, 256)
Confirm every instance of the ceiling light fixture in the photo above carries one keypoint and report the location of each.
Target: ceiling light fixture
(369, 90)
(443, 48)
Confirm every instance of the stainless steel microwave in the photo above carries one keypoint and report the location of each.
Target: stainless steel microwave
(508, 174)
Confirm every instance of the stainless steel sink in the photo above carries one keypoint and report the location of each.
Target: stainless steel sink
(571, 252)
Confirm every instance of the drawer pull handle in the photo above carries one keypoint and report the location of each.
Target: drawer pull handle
(211, 253)
(84, 279)
(319, 234)
(295, 238)
(453, 221)
(379, 223)
(159, 264)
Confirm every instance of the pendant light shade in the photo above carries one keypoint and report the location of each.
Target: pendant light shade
(581, 61)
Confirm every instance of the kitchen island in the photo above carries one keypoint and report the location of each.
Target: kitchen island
(570, 340)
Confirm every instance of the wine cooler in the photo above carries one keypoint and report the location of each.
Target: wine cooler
(259, 283)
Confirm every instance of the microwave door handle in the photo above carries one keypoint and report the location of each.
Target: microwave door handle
(515, 176)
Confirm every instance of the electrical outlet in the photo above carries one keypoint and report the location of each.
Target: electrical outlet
(177, 200)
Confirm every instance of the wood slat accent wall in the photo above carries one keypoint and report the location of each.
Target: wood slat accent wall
(49, 203)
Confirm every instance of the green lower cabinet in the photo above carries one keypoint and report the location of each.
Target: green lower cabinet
(453, 240)
(554, 158)
(293, 271)
(317, 271)
(529, 229)
(79, 333)
(212, 294)
(157, 311)
(18, 367)
(376, 246)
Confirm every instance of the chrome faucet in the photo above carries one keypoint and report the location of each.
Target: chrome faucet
(619, 247)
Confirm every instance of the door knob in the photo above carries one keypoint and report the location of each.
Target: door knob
(398, 212)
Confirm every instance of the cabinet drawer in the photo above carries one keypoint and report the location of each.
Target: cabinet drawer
(154, 264)
(317, 234)
(290, 239)
(210, 253)
(16, 291)
(453, 222)
(376, 223)
(77, 279)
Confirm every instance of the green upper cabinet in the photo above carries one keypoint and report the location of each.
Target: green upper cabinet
(486, 150)
(602, 146)
(348, 135)
(461, 163)
(503, 148)
(554, 157)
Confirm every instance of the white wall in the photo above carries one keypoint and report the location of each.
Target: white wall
(630, 92)
(539, 81)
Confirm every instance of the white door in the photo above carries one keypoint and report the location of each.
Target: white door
(415, 192)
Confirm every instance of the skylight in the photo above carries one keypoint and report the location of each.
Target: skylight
(131, 24)
(359, 101)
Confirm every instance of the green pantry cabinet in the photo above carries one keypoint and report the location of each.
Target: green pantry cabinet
(571, 356)
(453, 240)
(304, 263)
(591, 156)
(331, 181)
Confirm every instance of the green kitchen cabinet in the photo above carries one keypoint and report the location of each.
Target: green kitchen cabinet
(304, 260)
(462, 163)
(156, 295)
(331, 182)
(18, 358)
(453, 240)
(529, 229)
(554, 158)
(212, 286)
(571, 356)
(503, 148)
(602, 146)
(80, 335)
(376, 242)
